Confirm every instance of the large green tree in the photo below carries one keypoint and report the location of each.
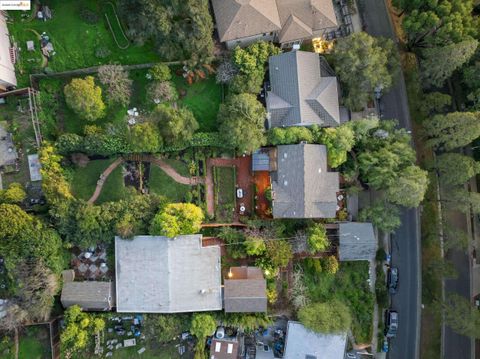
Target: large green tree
(439, 63)
(363, 63)
(242, 122)
(462, 200)
(461, 316)
(278, 252)
(328, 317)
(384, 216)
(453, 130)
(175, 125)
(339, 142)
(409, 188)
(456, 169)
(85, 98)
(144, 137)
(202, 326)
(177, 219)
(317, 239)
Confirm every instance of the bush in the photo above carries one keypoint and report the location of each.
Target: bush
(85, 98)
(160, 72)
(163, 91)
(330, 264)
(117, 83)
(328, 317)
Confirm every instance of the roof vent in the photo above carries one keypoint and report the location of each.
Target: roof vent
(319, 170)
(276, 68)
(285, 183)
(285, 155)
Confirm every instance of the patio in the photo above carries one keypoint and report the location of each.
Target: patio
(8, 153)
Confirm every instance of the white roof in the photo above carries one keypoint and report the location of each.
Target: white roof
(163, 275)
(34, 166)
(7, 69)
(302, 342)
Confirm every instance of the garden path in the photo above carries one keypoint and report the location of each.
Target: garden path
(102, 179)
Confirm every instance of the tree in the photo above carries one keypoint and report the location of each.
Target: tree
(435, 102)
(363, 63)
(177, 219)
(164, 91)
(410, 187)
(456, 169)
(384, 216)
(339, 142)
(289, 135)
(453, 130)
(330, 264)
(117, 83)
(54, 184)
(226, 72)
(202, 326)
(85, 98)
(125, 226)
(462, 200)
(254, 244)
(279, 252)
(167, 326)
(461, 315)
(13, 194)
(328, 317)
(234, 241)
(317, 238)
(175, 125)
(439, 63)
(242, 122)
(455, 238)
(144, 137)
(160, 72)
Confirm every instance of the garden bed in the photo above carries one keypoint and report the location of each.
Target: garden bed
(224, 181)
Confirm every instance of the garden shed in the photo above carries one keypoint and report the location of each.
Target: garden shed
(90, 295)
(245, 290)
(357, 241)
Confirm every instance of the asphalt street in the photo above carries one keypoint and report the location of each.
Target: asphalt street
(405, 247)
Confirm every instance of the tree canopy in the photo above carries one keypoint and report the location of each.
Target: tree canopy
(85, 98)
(117, 83)
(384, 216)
(175, 124)
(456, 169)
(317, 239)
(328, 317)
(144, 137)
(177, 219)
(410, 187)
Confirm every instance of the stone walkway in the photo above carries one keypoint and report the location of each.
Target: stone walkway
(103, 178)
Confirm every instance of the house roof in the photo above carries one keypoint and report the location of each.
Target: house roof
(303, 343)
(245, 291)
(242, 18)
(297, 19)
(224, 349)
(157, 274)
(94, 296)
(357, 241)
(302, 186)
(299, 94)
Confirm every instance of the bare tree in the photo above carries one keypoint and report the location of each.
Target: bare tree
(118, 84)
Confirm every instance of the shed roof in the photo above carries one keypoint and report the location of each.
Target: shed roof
(300, 94)
(224, 349)
(260, 161)
(357, 241)
(302, 186)
(245, 291)
(89, 295)
(303, 343)
(163, 275)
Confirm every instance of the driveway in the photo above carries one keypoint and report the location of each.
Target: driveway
(406, 241)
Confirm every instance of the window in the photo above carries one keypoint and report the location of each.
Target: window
(218, 346)
(308, 356)
(230, 349)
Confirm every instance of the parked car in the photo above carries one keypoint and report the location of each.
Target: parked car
(391, 323)
(239, 193)
(392, 280)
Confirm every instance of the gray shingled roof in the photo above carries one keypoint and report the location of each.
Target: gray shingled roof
(245, 291)
(299, 94)
(93, 296)
(157, 274)
(299, 19)
(302, 342)
(357, 242)
(242, 18)
(302, 186)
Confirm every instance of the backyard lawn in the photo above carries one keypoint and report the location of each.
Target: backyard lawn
(35, 343)
(349, 285)
(84, 181)
(203, 98)
(162, 184)
(77, 44)
(224, 178)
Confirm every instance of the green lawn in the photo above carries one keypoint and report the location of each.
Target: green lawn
(224, 178)
(35, 343)
(350, 286)
(203, 98)
(162, 184)
(75, 41)
(84, 181)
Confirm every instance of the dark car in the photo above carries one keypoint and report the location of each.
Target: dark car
(392, 280)
(391, 323)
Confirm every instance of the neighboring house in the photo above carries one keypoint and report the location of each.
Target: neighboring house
(157, 274)
(245, 290)
(357, 241)
(226, 348)
(89, 295)
(242, 22)
(7, 68)
(302, 93)
(302, 343)
(302, 186)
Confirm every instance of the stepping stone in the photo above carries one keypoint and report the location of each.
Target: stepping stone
(104, 269)
(93, 268)
(82, 268)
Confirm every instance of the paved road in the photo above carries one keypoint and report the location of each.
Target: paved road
(406, 241)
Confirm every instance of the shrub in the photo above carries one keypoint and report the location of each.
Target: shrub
(117, 83)
(85, 98)
(163, 91)
(328, 317)
(330, 264)
(160, 72)
(317, 238)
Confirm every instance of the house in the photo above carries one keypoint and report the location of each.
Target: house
(357, 241)
(156, 274)
(90, 296)
(7, 57)
(302, 93)
(225, 348)
(302, 186)
(302, 343)
(245, 291)
(242, 22)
